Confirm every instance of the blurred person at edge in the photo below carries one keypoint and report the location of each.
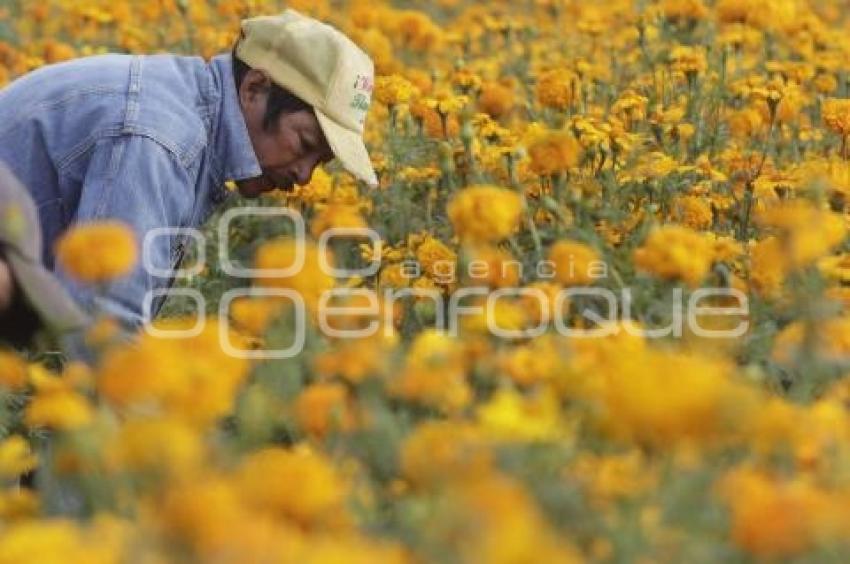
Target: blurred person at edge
(151, 140)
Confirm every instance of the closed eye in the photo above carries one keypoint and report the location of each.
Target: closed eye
(307, 145)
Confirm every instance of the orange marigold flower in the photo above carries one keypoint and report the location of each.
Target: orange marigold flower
(558, 88)
(676, 252)
(496, 99)
(552, 152)
(98, 252)
(319, 498)
(575, 263)
(324, 407)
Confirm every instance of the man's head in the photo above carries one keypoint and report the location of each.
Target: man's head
(284, 131)
(304, 89)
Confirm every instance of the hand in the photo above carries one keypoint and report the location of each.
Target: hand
(7, 286)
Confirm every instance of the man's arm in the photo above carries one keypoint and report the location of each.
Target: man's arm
(135, 180)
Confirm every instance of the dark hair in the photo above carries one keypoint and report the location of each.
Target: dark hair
(280, 100)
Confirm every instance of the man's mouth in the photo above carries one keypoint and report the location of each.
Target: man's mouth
(282, 183)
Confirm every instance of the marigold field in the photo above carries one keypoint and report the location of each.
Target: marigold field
(653, 150)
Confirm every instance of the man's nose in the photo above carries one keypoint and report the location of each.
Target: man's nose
(303, 171)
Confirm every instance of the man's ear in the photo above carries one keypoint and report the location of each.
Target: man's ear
(255, 88)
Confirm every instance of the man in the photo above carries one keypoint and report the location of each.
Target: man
(151, 140)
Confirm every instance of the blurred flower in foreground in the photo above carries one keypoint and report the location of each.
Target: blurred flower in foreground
(484, 213)
(98, 252)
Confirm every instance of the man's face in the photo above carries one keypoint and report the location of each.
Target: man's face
(289, 152)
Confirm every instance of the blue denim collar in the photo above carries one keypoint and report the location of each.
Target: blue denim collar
(231, 144)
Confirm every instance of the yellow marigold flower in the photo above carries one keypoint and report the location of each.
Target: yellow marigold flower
(643, 400)
(394, 276)
(435, 258)
(536, 362)
(191, 378)
(508, 416)
(825, 83)
(466, 81)
(337, 216)
(726, 249)
(324, 407)
(675, 252)
(255, 314)
(19, 505)
(319, 189)
(441, 451)
(393, 90)
(157, 446)
(684, 10)
(650, 166)
(745, 123)
(688, 60)
(508, 315)
(319, 499)
(533, 306)
(417, 31)
(575, 264)
(836, 115)
(16, 457)
(446, 102)
(310, 282)
(807, 233)
(13, 371)
(768, 267)
(58, 540)
(552, 152)
(835, 268)
(65, 410)
(97, 252)
(432, 122)
(631, 106)
(692, 211)
(355, 360)
(203, 514)
(482, 213)
(832, 172)
(493, 267)
(558, 88)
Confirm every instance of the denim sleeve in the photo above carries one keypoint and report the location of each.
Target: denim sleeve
(135, 180)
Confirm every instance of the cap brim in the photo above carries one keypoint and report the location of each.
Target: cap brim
(46, 295)
(349, 149)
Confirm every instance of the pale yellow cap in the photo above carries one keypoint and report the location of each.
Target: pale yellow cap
(324, 68)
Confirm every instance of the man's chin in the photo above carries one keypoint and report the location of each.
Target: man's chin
(253, 187)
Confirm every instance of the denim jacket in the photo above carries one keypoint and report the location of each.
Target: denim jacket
(146, 140)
